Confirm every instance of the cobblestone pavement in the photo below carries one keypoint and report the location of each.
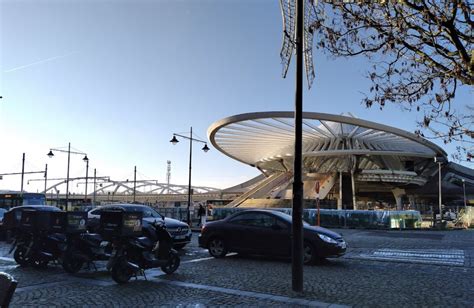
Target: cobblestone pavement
(399, 279)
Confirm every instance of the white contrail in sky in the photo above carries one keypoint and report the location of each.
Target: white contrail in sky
(38, 62)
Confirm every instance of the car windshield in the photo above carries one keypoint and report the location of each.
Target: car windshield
(147, 211)
(150, 212)
(2, 212)
(287, 217)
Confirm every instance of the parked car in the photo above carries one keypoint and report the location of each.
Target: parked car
(266, 232)
(180, 231)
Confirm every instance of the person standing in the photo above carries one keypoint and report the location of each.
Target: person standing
(202, 215)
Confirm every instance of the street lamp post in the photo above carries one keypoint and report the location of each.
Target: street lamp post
(69, 152)
(87, 176)
(440, 160)
(464, 192)
(22, 173)
(45, 178)
(205, 148)
(134, 183)
(94, 185)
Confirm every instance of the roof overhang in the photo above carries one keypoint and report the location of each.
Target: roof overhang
(330, 143)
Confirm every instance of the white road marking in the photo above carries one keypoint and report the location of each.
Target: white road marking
(453, 257)
(207, 258)
(7, 267)
(7, 259)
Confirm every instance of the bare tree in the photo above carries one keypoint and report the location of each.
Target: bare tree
(421, 53)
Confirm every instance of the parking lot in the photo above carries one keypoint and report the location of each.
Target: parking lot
(380, 269)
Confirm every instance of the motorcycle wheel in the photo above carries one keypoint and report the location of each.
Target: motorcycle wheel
(20, 256)
(39, 263)
(172, 265)
(121, 273)
(71, 265)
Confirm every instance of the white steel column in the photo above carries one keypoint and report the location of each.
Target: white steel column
(339, 200)
(353, 191)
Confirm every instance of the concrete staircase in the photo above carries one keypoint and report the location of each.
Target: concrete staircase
(262, 188)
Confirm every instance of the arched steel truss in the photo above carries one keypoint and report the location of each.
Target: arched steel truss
(104, 185)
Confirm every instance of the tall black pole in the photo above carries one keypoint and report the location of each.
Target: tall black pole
(464, 192)
(94, 185)
(22, 173)
(87, 177)
(45, 178)
(67, 177)
(439, 196)
(134, 183)
(190, 167)
(297, 213)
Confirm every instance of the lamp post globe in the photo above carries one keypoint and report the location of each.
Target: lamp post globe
(174, 141)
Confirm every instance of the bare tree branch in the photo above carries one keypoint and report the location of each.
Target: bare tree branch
(422, 51)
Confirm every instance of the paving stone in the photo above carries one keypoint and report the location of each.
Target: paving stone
(263, 282)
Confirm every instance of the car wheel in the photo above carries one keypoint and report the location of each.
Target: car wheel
(217, 248)
(309, 253)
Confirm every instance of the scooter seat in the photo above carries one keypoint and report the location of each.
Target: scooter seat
(58, 237)
(92, 238)
(145, 241)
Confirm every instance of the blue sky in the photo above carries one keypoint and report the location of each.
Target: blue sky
(117, 78)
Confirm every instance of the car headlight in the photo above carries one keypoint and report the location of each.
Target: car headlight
(327, 239)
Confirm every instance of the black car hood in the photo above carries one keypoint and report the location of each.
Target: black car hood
(324, 231)
(169, 222)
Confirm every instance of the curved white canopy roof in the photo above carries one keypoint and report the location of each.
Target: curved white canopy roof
(330, 142)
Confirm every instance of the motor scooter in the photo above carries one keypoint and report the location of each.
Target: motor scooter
(21, 243)
(38, 249)
(37, 236)
(85, 248)
(133, 255)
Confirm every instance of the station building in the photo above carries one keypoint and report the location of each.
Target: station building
(348, 163)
